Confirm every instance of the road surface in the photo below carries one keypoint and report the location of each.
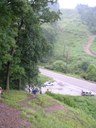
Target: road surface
(67, 85)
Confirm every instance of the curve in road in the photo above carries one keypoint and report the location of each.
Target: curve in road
(70, 82)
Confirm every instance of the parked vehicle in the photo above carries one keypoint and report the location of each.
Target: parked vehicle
(83, 93)
(48, 83)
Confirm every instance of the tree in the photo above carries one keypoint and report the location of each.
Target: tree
(91, 73)
(22, 42)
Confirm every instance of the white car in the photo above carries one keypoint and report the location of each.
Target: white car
(48, 83)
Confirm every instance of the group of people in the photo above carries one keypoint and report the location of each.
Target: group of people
(35, 90)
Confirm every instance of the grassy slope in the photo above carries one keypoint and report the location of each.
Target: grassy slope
(79, 112)
(42, 79)
(72, 37)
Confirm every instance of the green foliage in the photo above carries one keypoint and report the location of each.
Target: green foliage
(71, 36)
(81, 67)
(93, 46)
(13, 98)
(17, 72)
(59, 65)
(86, 104)
(65, 99)
(22, 43)
(42, 79)
(50, 36)
(84, 66)
(91, 73)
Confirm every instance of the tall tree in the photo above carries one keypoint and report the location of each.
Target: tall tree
(22, 42)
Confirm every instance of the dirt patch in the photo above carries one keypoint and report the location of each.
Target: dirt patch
(88, 45)
(54, 108)
(11, 118)
(25, 103)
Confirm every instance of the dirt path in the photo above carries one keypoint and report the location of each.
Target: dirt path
(25, 103)
(53, 108)
(88, 45)
(11, 118)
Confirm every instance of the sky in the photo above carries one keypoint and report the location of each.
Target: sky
(70, 4)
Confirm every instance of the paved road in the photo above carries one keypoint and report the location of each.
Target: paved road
(70, 85)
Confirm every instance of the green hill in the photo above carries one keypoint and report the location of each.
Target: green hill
(71, 36)
(53, 111)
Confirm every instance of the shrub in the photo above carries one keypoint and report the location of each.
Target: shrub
(49, 67)
(84, 66)
(91, 73)
(59, 65)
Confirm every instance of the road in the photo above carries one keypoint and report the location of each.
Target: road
(68, 85)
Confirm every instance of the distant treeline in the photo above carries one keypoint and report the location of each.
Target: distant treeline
(88, 16)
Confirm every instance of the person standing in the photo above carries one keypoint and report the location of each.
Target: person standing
(40, 91)
(34, 91)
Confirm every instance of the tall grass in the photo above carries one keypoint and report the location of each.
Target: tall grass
(86, 104)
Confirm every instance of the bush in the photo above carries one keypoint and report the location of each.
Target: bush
(49, 67)
(91, 73)
(60, 66)
(84, 66)
(42, 79)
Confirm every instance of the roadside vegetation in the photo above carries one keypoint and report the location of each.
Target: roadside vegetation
(76, 112)
(86, 104)
(42, 79)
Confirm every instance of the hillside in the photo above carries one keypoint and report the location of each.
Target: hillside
(44, 111)
(71, 48)
(72, 36)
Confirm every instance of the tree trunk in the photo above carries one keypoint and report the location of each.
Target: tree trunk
(8, 70)
(19, 83)
(8, 76)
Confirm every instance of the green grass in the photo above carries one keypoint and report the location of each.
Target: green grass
(42, 79)
(86, 104)
(78, 112)
(72, 34)
(13, 98)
